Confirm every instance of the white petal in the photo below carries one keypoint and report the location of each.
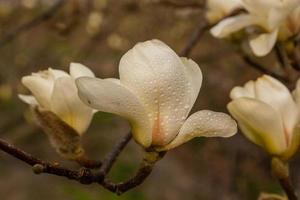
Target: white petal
(263, 44)
(195, 78)
(79, 70)
(260, 123)
(107, 96)
(232, 24)
(158, 77)
(40, 87)
(66, 104)
(246, 91)
(56, 73)
(29, 99)
(204, 123)
(274, 93)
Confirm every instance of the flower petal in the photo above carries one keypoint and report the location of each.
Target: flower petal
(204, 123)
(260, 123)
(263, 44)
(40, 87)
(274, 93)
(57, 73)
(66, 104)
(78, 70)
(108, 96)
(232, 24)
(195, 78)
(29, 99)
(158, 77)
(246, 91)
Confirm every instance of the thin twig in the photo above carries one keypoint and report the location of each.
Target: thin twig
(287, 186)
(145, 169)
(112, 156)
(285, 61)
(135, 181)
(34, 22)
(184, 5)
(280, 169)
(262, 69)
(197, 34)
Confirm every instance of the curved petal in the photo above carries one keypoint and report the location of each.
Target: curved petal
(108, 96)
(40, 87)
(57, 73)
(159, 79)
(263, 44)
(66, 104)
(260, 123)
(204, 123)
(195, 78)
(232, 24)
(296, 94)
(246, 91)
(29, 99)
(79, 70)
(274, 93)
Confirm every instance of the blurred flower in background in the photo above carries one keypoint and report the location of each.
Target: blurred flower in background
(268, 115)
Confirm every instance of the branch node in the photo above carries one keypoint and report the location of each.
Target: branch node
(38, 168)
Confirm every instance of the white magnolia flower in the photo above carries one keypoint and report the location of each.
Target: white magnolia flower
(55, 90)
(292, 25)
(269, 15)
(267, 114)
(217, 9)
(156, 92)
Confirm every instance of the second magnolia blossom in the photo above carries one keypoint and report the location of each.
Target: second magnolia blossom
(268, 115)
(156, 92)
(273, 19)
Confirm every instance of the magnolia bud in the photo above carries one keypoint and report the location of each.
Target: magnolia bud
(62, 137)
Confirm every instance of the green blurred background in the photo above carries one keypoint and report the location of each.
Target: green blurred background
(97, 33)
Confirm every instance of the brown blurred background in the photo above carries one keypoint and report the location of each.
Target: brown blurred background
(97, 33)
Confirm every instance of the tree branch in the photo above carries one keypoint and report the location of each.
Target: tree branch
(177, 5)
(262, 69)
(34, 22)
(144, 171)
(197, 34)
(112, 156)
(280, 170)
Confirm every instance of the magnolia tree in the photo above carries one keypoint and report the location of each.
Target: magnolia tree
(157, 89)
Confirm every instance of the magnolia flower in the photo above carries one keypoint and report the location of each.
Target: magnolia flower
(269, 15)
(268, 115)
(156, 92)
(291, 26)
(55, 91)
(217, 9)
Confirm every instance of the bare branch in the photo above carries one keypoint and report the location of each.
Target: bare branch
(144, 171)
(184, 5)
(112, 156)
(262, 69)
(34, 22)
(197, 34)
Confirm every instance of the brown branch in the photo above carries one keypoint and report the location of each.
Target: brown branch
(84, 175)
(119, 188)
(177, 5)
(112, 156)
(34, 22)
(262, 69)
(197, 34)
(280, 170)
(144, 171)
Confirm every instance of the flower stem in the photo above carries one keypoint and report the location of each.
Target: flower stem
(280, 169)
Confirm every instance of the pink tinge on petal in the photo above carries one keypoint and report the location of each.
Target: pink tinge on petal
(158, 136)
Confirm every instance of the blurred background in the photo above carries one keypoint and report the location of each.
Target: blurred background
(97, 33)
